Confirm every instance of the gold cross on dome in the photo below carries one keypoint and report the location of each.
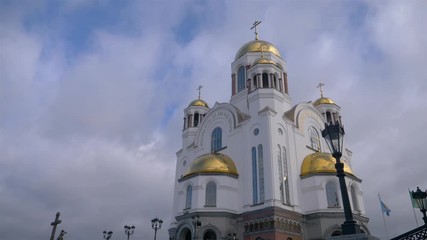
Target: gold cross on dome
(199, 89)
(320, 87)
(254, 25)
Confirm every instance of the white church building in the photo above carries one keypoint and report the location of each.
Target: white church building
(257, 167)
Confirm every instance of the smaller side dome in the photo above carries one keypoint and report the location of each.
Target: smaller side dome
(321, 162)
(212, 163)
(323, 100)
(198, 102)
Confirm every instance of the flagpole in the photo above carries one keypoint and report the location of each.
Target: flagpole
(382, 214)
(413, 208)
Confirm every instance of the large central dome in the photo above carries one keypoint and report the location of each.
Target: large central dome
(257, 46)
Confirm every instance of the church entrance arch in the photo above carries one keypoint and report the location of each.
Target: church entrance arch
(185, 234)
(209, 235)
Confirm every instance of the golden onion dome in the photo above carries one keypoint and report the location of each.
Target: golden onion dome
(198, 102)
(256, 46)
(321, 162)
(323, 100)
(264, 61)
(212, 163)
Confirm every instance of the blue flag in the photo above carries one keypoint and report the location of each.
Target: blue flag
(384, 208)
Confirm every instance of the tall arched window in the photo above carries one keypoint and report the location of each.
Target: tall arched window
(241, 79)
(216, 139)
(254, 177)
(261, 173)
(280, 166)
(189, 195)
(331, 194)
(265, 80)
(210, 200)
(314, 138)
(354, 198)
(286, 178)
(328, 117)
(196, 119)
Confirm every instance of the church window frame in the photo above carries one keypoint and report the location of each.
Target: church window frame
(254, 176)
(241, 78)
(354, 199)
(332, 195)
(216, 139)
(196, 119)
(286, 176)
(188, 197)
(265, 80)
(211, 194)
(261, 173)
(314, 138)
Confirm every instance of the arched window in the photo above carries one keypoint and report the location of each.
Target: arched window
(285, 178)
(354, 198)
(331, 194)
(216, 140)
(280, 166)
(189, 195)
(254, 177)
(255, 79)
(261, 173)
(265, 80)
(210, 200)
(328, 117)
(314, 138)
(196, 119)
(241, 79)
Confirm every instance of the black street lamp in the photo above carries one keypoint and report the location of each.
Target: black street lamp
(156, 224)
(334, 134)
(420, 198)
(129, 230)
(196, 223)
(107, 235)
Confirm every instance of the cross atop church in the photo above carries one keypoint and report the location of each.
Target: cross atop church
(54, 224)
(320, 87)
(199, 89)
(254, 25)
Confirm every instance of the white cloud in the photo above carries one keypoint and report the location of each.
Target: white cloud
(93, 134)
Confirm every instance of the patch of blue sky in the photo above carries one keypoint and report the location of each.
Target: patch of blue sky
(74, 27)
(198, 16)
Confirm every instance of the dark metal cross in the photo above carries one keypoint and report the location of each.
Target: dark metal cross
(256, 23)
(321, 90)
(199, 89)
(54, 224)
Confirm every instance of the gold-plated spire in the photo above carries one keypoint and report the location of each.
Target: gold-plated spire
(256, 23)
(321, 90)
(199, 89)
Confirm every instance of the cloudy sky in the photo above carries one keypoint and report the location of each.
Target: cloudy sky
(92, 94)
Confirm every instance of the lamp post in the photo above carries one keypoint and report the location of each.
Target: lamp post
(333, 134)
(156, 224)
(129, 230)
(196, 223)
(107, 235)
(420, 198)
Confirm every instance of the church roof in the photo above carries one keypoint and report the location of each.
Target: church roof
(321, 162)
(198, 102)
(212, 163)
(257, 46)
(323, 100)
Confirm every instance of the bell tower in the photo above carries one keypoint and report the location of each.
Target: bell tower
(259, 77)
